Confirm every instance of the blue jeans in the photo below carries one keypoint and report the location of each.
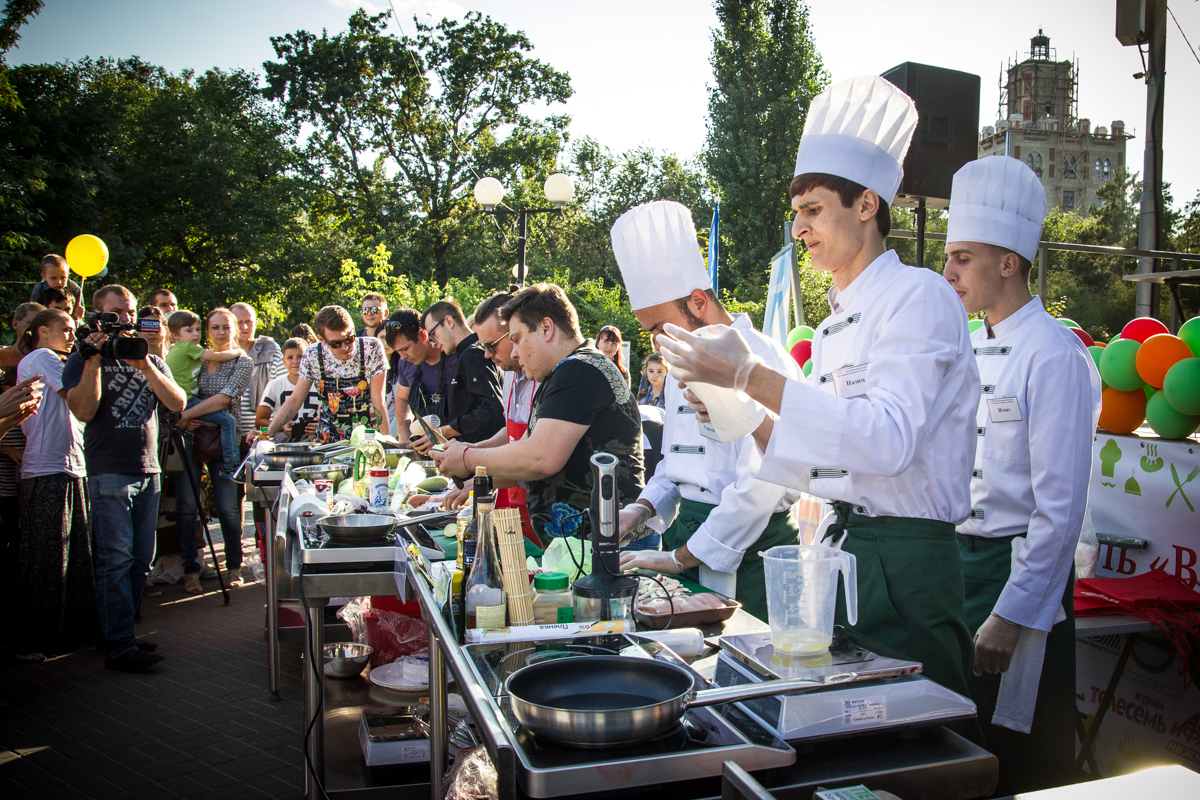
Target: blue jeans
(229, 438)
(229, 512)
(124, 516)
(651, 542)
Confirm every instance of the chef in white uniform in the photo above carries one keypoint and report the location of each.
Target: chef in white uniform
(884, 426)
(714, 516)
(1036, 420)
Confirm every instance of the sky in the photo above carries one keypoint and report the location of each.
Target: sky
(640, 70)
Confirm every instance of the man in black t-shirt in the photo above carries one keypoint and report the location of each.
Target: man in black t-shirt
(582, 406)
(117, 402)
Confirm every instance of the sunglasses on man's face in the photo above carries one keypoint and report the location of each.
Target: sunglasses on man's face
(490, 347)
(338, 344)
(371, 309)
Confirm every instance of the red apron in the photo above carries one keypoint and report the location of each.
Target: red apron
(515, 496)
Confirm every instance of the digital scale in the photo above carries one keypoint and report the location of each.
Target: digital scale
(865, 693)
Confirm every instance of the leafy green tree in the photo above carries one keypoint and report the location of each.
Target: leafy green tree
(16, 14)
(403, 127)
(766, 70)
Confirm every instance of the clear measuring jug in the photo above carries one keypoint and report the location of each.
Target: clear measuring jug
(802, 595)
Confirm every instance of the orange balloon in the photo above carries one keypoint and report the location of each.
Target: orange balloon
(1157, 355)
(1100, 344)
(1122, 412)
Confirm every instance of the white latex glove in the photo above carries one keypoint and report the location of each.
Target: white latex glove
(632, 516)
(713, 358)
(654, 560)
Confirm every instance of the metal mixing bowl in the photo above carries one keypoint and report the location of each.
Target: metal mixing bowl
(318, 472)
(346, 659)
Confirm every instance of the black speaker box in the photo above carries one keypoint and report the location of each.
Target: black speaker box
(947, 134)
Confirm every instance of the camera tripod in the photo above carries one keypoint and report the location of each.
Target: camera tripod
(201, 512)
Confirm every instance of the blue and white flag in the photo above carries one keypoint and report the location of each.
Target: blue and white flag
(714, 245)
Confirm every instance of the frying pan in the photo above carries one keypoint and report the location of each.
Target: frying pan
(609, 701)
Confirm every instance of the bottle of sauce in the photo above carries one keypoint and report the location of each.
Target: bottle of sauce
(483, 589)
(481, 486)
(263, 436)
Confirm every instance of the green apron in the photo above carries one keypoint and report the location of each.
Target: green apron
(910, 596)
(1045, 756)
(751, 582)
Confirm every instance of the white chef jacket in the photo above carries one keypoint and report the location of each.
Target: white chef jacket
(1034, 462)
(707, 471)
(902, 443)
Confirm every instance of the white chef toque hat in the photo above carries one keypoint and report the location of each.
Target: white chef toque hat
(656, 249)
(859, 130)
(997, 200)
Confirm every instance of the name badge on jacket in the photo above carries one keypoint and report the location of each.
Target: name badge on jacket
(1004, 409)
(709, 431)
(850, 381)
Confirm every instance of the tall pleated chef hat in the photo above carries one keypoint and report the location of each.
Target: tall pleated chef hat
(859, 130)
(656, 249)
(997, 200)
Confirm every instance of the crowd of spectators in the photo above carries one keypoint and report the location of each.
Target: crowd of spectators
(84, 437)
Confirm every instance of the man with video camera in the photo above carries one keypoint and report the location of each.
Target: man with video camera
(114, 387)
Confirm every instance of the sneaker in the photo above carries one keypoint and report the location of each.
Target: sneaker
(30, 658)
(134, 660)
(191, 584)
(207, 573)
(229, 476)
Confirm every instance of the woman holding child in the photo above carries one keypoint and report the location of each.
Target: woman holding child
(219, 384)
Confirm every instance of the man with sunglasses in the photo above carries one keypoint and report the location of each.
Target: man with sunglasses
(374, 310)
(348, 372)
(473, 409)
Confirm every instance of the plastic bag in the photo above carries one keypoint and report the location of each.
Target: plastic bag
(167, 569)
(1087, 552)
(389, 633)
(472, 776)
(568, 555)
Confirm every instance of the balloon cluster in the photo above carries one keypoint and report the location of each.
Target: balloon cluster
(1150, 375)
(799, 342)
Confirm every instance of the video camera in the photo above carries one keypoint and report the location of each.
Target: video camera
(117, 346)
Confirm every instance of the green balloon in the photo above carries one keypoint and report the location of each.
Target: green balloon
(1096, 353)
(1118, 366)
(1166, 421)
(1190, 333)
(974, 325)
(797, 333)
(807, 368)
(1070, 323)
(1181, 387)
(1149, 390)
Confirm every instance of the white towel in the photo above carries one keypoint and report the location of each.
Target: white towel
(1019, 685)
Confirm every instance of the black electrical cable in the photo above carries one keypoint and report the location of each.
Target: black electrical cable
(319, 676)
(658, 579)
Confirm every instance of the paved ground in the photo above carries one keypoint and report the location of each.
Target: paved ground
(200, 725)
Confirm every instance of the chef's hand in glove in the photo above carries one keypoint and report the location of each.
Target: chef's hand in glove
(631, 516)
(713, 358)
(450, 461)
(994, 645)
(653, 560)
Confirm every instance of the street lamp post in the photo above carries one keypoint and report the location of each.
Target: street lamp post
(489, 193)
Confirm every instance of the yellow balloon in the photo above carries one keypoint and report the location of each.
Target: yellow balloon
(87, 255)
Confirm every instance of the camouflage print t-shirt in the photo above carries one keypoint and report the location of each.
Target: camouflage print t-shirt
(585, 388)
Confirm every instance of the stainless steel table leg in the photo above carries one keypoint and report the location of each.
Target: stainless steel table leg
(438, 733)
(272, 605)
(312, 693)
